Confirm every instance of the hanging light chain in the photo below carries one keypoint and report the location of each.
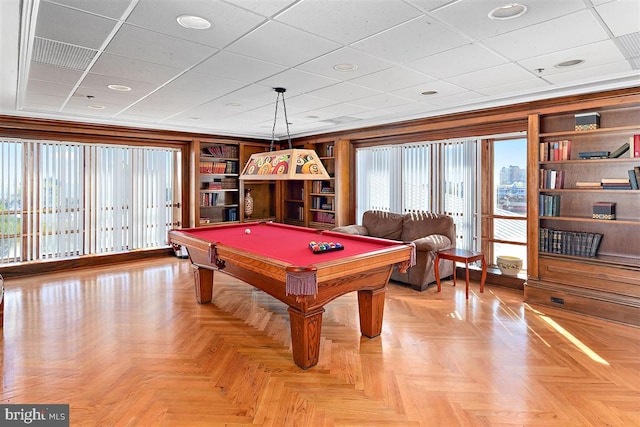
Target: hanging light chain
(280, 90)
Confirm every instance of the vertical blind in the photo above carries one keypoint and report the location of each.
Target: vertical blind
(438, 176)
(61, 199)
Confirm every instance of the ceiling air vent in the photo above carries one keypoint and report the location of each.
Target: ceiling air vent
(64, 55)
(631, 46)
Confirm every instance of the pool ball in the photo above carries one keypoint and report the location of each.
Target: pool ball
(247, 231)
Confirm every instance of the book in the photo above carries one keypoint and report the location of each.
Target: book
(594, 154)
(620, 151)
(633, 179)
(634, 145)
(636, 169)
(614, 180)
(588, 184)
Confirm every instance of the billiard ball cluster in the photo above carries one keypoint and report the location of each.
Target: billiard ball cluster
(321, 247)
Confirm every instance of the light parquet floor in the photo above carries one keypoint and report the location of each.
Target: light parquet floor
(128, 345)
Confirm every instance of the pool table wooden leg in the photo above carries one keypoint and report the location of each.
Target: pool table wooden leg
(371, 307)
(305, 336)
(203, 280)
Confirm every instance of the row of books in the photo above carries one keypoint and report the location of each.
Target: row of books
(551, 179)
(322, 203)
(549, 205)
(220, 150)
(326, 217)
(221, 184)
(230, 166)
(576, 243)
(619, 152)
(555, 150)
(630, 183)
(320, 187)
(213, 199)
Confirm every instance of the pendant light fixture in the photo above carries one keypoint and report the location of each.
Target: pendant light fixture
(291, 164)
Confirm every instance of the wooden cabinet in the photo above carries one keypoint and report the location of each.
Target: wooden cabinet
(217, 182)
(567, 267)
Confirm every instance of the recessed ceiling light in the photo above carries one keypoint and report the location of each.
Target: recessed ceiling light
(313, 117)
(119, 88)
(194, 118)
(508, 11)
(569, 63)
(193, 22)
(234, 105)
(429, 92)
(96, 107)
(345, 67)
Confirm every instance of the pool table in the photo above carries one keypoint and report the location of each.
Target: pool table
(276, 259)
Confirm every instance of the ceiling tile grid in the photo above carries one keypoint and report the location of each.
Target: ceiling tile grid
(345, 63)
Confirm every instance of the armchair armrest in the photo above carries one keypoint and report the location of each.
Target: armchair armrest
(435, 242)
(356, 229)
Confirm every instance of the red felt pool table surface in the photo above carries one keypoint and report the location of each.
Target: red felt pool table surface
(286, 243)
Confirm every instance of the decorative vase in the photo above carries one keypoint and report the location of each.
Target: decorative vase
(248, 203)
(509, 265)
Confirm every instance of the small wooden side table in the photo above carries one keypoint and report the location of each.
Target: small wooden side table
(461, 255)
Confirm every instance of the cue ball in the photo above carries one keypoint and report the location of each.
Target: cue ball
(247, 231)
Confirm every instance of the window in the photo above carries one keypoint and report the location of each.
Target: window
(62, 199)
(439, 176)
(508, 231)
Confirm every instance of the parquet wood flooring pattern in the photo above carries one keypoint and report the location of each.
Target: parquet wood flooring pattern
(128, 345)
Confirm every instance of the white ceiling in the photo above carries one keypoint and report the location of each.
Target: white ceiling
(58, 56)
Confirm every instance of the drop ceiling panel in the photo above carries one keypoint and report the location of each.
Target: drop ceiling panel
(212, 86)
(365, 63)
(111, 8)
(441, 87)
(280, 44)
(472, 17)
(621, 16)
(157, 48)
(50, 73)
(457, 61)
(298, 81)
(133, 69)
(344, 92)
(563, 33)
(347, 21)
(228, 22)
(71, 26)
(489, 77)
(101, 82)
(588, 75)
(238, 67)
(594, 54)
(412, 40)
(392, 79)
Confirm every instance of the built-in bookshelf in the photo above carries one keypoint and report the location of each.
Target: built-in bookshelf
(321, 204)
(580, 258)
(218, 185)
(322, 192)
